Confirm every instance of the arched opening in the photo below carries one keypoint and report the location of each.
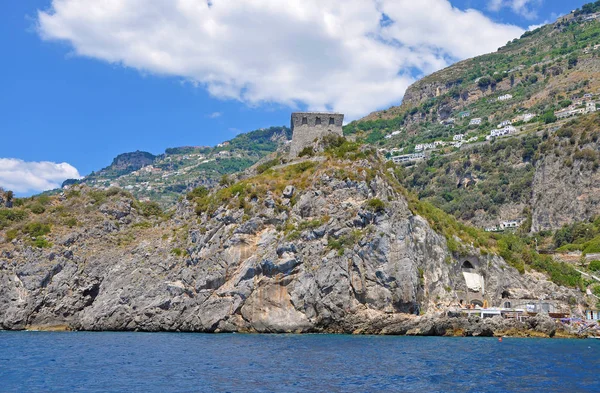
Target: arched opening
(467, 265)
(505, 294)
(507, 305)
(476, 302)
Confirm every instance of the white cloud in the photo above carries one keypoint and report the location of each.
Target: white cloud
(29, 177)
(323, 54)
(215, 115)
(525, 8)
(535, 27)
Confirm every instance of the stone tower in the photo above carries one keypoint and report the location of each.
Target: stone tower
(308, 126)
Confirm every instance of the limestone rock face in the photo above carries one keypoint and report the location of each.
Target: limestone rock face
(323, 261)
(562, 194)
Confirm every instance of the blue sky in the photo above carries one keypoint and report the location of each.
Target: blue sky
(81, 85)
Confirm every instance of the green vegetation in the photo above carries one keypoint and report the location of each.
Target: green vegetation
(594, 266)
(590, 8)
(560, 273)
(345, 241)
(482, 178)
(580, 236)
(37, 208)
(235, 194)
(198, 192)
(36, 229)
(267, 165)
(10, 216)
(177, 252)
(150, 209)
(376, 205)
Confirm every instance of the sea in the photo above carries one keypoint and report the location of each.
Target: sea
(189, 362)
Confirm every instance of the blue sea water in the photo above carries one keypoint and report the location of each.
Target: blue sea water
(162, 362)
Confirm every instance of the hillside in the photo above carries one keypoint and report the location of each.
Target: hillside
(330, 243)
(510, 136)
(164, 178)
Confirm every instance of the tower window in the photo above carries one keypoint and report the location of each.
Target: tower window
(318, 121)
(304, 120)
(331, 121)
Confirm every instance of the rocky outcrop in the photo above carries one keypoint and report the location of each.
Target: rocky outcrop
(340, 254)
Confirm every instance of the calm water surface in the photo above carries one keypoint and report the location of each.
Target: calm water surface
(140, 362)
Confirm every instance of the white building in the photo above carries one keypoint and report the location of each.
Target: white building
(388, 137)
(505, 97)
(570, 112)
(528, 116)
(475, 122)
(590, 107)
(505, 123)
(396, 133)
(408, 158)
(419, 147)
(458, 137)
(439, 143)
(510, 224)
(501, 132)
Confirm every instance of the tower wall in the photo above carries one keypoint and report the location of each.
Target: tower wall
(306, 128)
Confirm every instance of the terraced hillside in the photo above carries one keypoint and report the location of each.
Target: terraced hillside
(166, 177)
(510, 136)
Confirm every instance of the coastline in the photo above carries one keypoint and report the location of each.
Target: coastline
(540, 326)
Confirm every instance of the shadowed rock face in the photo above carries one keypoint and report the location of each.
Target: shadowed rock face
(563, 195)
(344, 268)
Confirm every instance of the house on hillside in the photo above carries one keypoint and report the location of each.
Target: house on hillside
(464, 114)
(439, 143)
(505, 123)
(505, 97)
(590, 107)
(570, 111)
(458, 137)
(475, 122)
(512, 224)
(407, 158)
(501, 132)
(419, 147)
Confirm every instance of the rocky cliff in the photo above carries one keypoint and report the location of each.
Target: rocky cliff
(321, 245)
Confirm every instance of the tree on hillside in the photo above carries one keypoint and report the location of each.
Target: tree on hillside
(9, 199)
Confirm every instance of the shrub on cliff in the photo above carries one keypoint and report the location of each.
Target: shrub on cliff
(594, 266)
(150, 209)
(376, 205)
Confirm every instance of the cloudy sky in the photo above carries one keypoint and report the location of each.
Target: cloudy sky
(85, 80)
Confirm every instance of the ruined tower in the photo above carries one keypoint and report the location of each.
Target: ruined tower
(308, 126)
